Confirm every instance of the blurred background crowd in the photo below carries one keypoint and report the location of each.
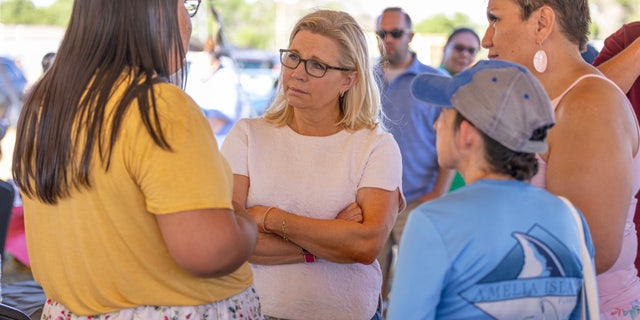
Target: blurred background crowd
(242, 37)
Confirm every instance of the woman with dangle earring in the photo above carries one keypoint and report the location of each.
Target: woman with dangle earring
(593, 148)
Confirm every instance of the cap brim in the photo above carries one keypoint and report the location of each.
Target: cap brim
(432, 88)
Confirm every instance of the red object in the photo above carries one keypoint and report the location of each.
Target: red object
(309, 258)
(16, 243)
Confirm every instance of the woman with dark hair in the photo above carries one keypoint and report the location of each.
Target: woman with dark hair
(459, 53)
(128, 203)
(593, 157)
(460, 50)
(499, 247)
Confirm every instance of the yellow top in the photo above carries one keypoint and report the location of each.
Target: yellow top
(101, 250)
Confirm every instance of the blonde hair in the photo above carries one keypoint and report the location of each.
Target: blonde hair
(360, 105)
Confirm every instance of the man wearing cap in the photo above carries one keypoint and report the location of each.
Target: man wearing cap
(410, 121)
(499, 247)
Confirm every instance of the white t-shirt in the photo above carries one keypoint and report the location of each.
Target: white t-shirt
(314, 177)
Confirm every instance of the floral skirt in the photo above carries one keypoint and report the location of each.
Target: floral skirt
(245, 305)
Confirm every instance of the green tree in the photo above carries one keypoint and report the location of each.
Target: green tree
(252, 23)
(246, 25)
(58, 13)
(25, 12)
(18, 12)
(440, 23)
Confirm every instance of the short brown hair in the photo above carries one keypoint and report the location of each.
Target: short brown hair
(573, 16)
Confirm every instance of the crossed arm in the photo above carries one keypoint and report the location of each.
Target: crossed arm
(356, 235)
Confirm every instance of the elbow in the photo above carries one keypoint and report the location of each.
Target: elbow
(212, 272)
(218, 261)
(215, 265)
(366, 254)
(607, 252)
(367, 260)
(604, 263)
(602, 267)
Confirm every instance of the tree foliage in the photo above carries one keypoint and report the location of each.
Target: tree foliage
(19, 12)
(58, 13)
(440, 23)
(247, 25)
(252, 23)
(25, 12)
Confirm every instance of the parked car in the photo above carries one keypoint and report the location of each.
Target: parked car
(259, 71)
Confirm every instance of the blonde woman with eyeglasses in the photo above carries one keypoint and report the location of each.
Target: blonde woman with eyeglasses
(320, 176)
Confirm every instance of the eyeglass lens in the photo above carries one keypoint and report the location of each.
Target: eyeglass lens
(192, 6)
(395, 33)
(461, 48)
(312, 67)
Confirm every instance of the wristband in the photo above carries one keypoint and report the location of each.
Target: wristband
(308, 257)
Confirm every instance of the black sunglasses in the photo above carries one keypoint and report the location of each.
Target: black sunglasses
(460, 48)
(395, 33)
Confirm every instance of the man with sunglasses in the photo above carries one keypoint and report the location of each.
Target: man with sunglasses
(411, 123)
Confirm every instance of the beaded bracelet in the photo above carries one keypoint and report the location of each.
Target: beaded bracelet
(264, 220)
(284, 228)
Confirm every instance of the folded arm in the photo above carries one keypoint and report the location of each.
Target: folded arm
(342, 240)
(355, 235)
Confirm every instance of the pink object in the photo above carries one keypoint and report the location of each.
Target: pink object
(16, 243)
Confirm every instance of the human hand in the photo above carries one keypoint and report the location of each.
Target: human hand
(352, 212)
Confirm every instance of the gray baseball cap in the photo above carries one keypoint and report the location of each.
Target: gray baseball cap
(500, 98)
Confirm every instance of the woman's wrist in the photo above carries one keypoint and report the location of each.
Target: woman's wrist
(263, 227)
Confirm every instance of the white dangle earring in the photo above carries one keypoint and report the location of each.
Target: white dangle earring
(540, 60)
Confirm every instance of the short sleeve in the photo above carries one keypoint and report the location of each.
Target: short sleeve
(192, 174)
(235, 148)
(384, 166)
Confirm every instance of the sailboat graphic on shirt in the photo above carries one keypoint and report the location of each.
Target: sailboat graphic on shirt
(538, 279)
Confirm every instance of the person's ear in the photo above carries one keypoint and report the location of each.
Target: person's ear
(545, 19)
(467, 137)
(349, 80)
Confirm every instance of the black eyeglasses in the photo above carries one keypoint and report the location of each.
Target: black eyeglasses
(395, 33)
(192, 7)
(313, 67)
(460, 48)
